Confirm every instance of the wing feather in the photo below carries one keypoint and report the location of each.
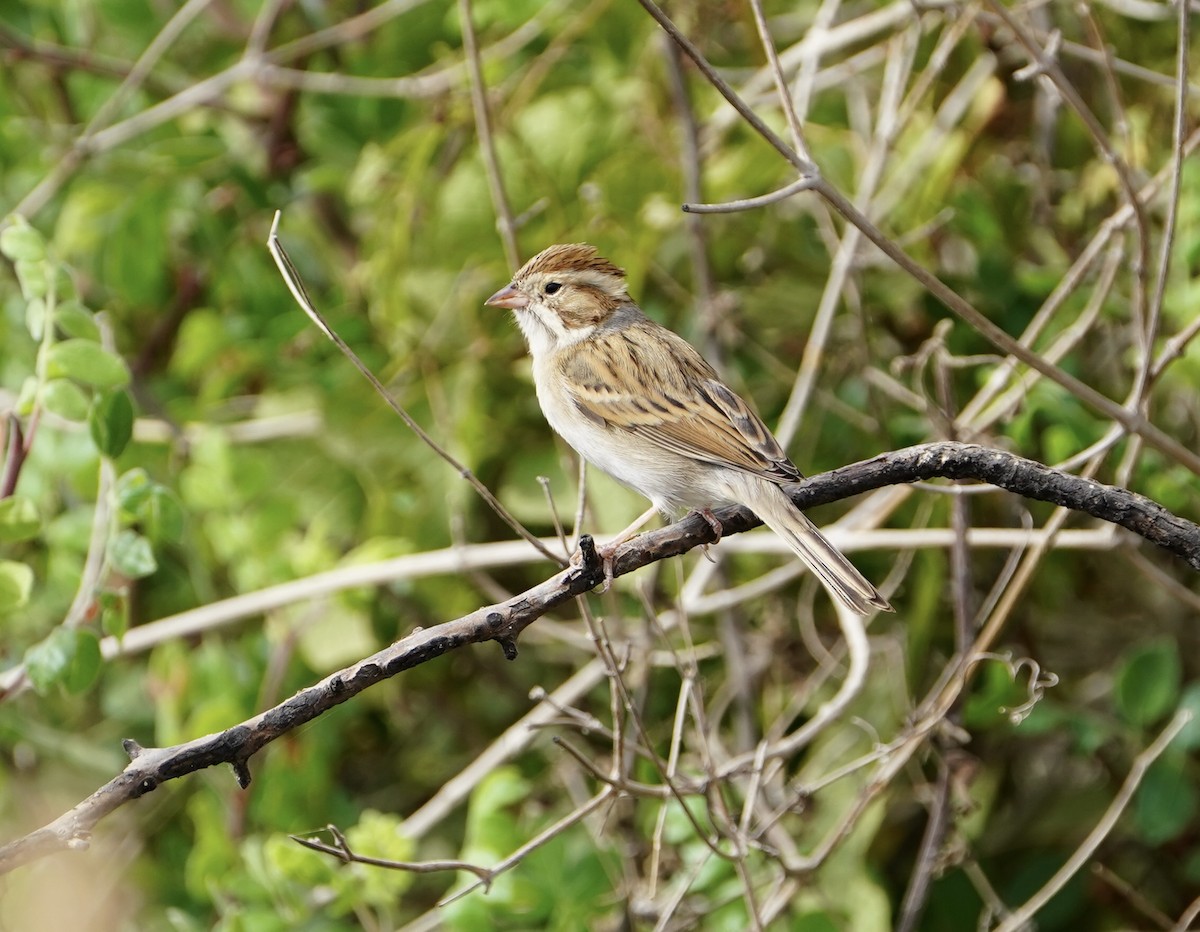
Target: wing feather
(654, 384)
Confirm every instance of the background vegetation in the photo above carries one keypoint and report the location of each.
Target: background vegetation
(178, 435)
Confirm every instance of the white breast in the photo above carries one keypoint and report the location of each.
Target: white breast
(671, 482)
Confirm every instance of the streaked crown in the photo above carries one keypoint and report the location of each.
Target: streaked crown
(573, 257)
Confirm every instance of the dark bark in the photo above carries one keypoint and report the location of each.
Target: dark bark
(150, 767)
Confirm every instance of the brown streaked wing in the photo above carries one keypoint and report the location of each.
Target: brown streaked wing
(654, 384)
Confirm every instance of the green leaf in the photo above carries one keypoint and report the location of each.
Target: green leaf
(34, 278)
(161, 515)
(35, 318)
(66, 399)
(46, 663)
(151, 505)
(22, 242)
(377, 835)
(70, 656)
(87, 362)
(85, 663)
(75, 320)
(133, 488)
(111, 423)
(16, 582)
(19, 519)
(131, 554)
(114, 614)
(27, 396)
(1147, 683)
(1166, 801)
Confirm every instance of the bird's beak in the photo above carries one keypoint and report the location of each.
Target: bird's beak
(509, 297)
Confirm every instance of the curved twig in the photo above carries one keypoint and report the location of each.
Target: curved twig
(292, 278)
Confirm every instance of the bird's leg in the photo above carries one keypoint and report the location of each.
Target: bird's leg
(713, 522)
(609, 550)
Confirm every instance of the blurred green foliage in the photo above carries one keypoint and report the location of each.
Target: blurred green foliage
(165, 382)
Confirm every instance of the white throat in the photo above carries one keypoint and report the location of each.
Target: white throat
(545, 333)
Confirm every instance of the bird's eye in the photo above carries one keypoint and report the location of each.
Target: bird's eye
(552, 287)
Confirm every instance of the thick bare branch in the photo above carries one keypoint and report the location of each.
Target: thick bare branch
(150, 767)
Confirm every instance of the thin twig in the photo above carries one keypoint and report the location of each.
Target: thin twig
(1179, 131)
(752, 203)
(1024, 913)
(343, 30)
(690, 165)
(711, 839)
(858, 649)
(505, 225)
(1132, 895)
(1047, 65)
(896, 70)
(921, 879)
(544, 482)
(1133, 421)
(341, 850)
(512, 742)
(264, 22)
(581, 812)
(296, 286)
(725, 89)
(1188, 917)
(146, 62)
(624, 784)
(781, 87)
(810, 65)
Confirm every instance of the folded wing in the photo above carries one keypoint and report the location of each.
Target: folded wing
(663, 390)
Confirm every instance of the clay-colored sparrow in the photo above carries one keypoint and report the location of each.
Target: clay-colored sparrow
(641, 403)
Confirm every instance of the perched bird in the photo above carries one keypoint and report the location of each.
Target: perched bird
(640, 402)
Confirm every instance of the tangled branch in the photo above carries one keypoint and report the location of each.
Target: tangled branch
(149, 768)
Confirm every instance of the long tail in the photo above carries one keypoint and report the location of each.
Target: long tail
(836, 573)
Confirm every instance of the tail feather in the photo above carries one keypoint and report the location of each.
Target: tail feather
(837, 574)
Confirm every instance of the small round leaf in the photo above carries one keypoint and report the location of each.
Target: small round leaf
(111, 423)
(114, 614)
(27, 396)
(1147, 684)
(131, 554)
(133, 488)
(46, 662)
(16, 582)
(1166, 801)
(66, 399)
(75, 320)
(22, 242)
(34, 279)
(85, 663)
(19, 519)
(35, 318)
(161, 515)
(87, 362)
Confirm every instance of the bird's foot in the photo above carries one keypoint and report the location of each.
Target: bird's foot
(715, 523)
(607, 554)
(712, 521)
